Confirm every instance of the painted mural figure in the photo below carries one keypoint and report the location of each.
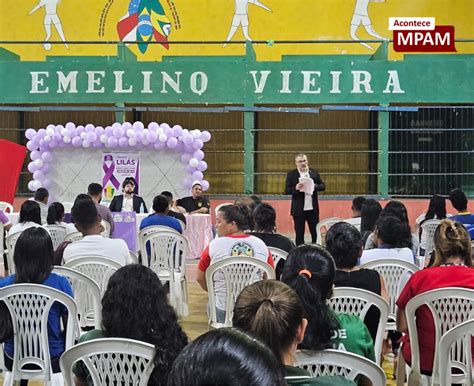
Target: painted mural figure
(361, 16)
(51, 17)
(241, 18)
(145, 20)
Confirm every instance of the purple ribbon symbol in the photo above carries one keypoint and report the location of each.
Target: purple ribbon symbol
(109, 172)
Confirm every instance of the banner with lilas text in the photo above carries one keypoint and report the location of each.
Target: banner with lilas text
(116, 166)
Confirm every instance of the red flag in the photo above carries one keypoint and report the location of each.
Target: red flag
(12, 157)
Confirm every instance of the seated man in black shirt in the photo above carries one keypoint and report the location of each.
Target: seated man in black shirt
(173, 212)
(196, 203)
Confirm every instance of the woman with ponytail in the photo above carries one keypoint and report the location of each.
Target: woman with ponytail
(452, 267)
(310, 271)
(56, 217)
(272, 311)
(231, 223)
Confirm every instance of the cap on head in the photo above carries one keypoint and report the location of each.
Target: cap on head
(196, 183)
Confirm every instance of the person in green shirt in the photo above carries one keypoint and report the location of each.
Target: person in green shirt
(272, 311)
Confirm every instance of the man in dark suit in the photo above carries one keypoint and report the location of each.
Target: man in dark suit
(304, 206)
(128, 202)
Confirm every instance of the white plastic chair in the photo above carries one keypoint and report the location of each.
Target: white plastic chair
(428, 229)
(86, 294)
(74, 236)
(29, 306)
(278, 254)
(460, 337)
(356, 301)
(106, 225)
(395, 274)
(148, 231)
(67, 206)
(97, 268)
(237, 273)
(337, 362)
(6, 207)
(168, 260)
(11, 242)
(450, 307)
(133, 257)
(111, 361)
(323, 226)
(221, 205)
(57, 233)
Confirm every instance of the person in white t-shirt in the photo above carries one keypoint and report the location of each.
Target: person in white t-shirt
(41, 197)
(87, 220)
(56, 217)
(231, 223)
(356, 211)
(30, 216)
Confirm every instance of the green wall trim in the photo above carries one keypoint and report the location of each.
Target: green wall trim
(383, 125)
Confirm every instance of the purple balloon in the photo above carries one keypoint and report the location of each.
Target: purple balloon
(45, 146)
(57, 137)
(46, 168)
(189, 169)
(38, 175)
(123, 142)
(69, 126)
(152, 137)
(138, 126)
(30, 133)
(53, 145)
(138, 136)
(47, 156)
(31, 186)
(41, 134)
(118, 131)
(164, 126)
(99, 130)
(91, 136)
(34, 155)
(202, 165)
(116, 125)
(153, 126)
(188, 149)
(199, 155)
(197, 144)
(108, 131)
(205, 184)
(169, 132)
(179, 146)
(205, 136)
(177, 130)
(159, 145)
(188, 139)
(185, 158)
(126, 126)
(172, 142)
(112, 142)
(32, 167)
(31, 146)
(197, 175)
(76, 141)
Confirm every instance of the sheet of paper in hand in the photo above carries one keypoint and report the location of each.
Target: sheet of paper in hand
(308, 185)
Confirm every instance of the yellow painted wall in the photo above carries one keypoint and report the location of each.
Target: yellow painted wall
(206, 20)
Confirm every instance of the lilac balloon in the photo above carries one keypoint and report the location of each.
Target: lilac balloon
(179, 146)
(57, 137)
(185, 158)
(172, 142)
(116, 125)
(159, 145)
(202, 165)
(45, 147)
(31, 186)
(38, 175)
(108, 131)
(53, 145)
(177, 130)
(164, 126)
(127, 125)
(123, 142)
(205, 184)
(46, 168)
(118, 131)
(99, 130)
(37, 184)
(47, 156)
(169, 132)
(153, 126)
(188, 149)
(41, 134)
(32, 167)
(138, 136)
(132, 142)
(34, 155)
(30, 133)
(138, 126)
(199, 155)
(152, 137)
(76, 142)
(205, 136)
(112, 142)
(69, 126)
(197, 144)
(91, 136)
(189, 169)
(31, 146)
(187, 139)
(197, 175)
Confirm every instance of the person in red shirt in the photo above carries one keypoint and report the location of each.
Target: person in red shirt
(452, 268)
(231, 223)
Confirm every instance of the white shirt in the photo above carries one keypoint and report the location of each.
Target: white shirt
(354, 221)
(405, 254)
(96, 245)
(20, 227)
(127, 205)
(70, 227)
(308, 198)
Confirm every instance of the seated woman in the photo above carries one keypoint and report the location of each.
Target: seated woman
(436, 211)
(33, 260)
(452, 268)
(393, 240)
(396, 209)
(265, 229)
(343, 241)
(272, 311)
(226, 356)
(30, 216)
(56, 217)
(135, 306)
(369, 215)
(310, 271)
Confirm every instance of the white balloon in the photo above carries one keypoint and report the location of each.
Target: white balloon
(50, 132)
(162, 138)
(64, 132)
(196, 133)
(47, 138)
(39, 163)
(193, 162)
(132, 142)
(37, 185)
(159, 131)
(145, 141)
(130, 133)
(67, 139)
(103, 138)
(86, 143)
(83, 135)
